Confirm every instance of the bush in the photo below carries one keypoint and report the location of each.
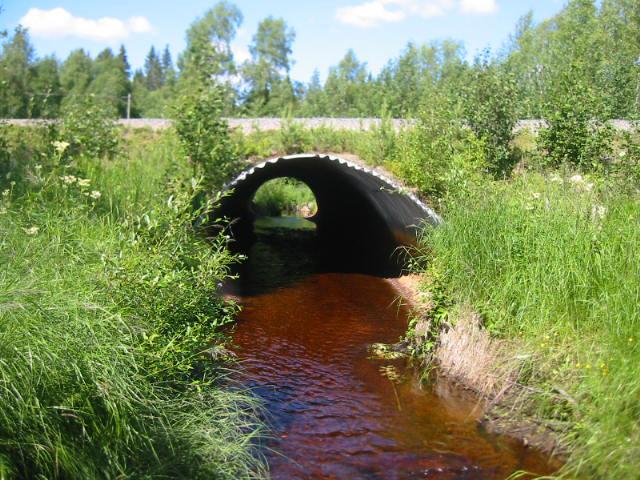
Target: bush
(438, 155)
(87, 126)
(575, 134)
(378, 145)
(204, 134)
(293, 137)
(108, 311)
(490, 108)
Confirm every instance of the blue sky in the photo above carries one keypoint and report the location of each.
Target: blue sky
(377, 30)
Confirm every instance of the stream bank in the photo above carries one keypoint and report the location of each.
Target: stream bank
(465, 354)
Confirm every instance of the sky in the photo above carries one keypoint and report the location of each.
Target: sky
(377, 30)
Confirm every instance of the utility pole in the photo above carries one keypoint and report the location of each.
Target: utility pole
(128, 106)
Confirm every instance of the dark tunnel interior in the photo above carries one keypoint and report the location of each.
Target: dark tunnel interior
(363, 218)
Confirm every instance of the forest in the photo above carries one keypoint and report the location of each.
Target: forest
(589, 49)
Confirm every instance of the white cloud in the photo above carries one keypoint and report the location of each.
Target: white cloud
(478, 6)
(369, 14)
(139, 25)
(375, 12)
(58, 22)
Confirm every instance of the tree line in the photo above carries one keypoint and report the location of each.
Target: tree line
(588, 52)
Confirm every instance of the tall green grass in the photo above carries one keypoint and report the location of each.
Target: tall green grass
(109, 319)
(554, 263)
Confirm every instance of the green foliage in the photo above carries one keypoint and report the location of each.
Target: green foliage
(16, 63)
(346, 88)
(76, 74)
(490, 108)
(381, 143)
(599, 37)
(575, 135)
(284, 196)
(87, 129)
(208, 53)
(111, 80)
(438, 154)
(179, 294)
(424, 341)
(108, 308)
(204, 134)
(270, 90)
(293, 137)
(552, 263)
(418, 75)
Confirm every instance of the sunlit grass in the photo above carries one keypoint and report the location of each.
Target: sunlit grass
(84, 391)
(555, 263)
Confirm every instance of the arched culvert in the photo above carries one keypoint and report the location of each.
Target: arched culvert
(363, 216)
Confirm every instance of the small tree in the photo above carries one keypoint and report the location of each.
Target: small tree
(204, 134)
(576, 133)
(88, 128)
(490, 109)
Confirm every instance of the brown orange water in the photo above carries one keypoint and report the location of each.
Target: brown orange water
(336, 413)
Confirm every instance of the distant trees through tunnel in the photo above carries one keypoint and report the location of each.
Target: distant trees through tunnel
(284, 196)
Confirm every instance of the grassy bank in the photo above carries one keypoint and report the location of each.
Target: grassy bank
(110, 320)
(552, 264)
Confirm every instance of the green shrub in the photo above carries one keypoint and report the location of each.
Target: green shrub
(87, 126)
(378, 145)
(438, 155)
(576, 134)
(293, 137)
(490, 108)
(204, 134)
(625, 166)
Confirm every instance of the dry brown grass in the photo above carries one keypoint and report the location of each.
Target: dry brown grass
(467, 353)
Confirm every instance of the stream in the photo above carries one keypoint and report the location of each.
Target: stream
(336, 412)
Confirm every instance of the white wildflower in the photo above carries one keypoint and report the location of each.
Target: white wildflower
(60, 146)
(31, 230)
(6, 193)
(622, 153)
(84, 182)
(68, 179)
(95, 194)
(535, 195)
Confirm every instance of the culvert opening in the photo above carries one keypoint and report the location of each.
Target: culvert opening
(362, 221)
